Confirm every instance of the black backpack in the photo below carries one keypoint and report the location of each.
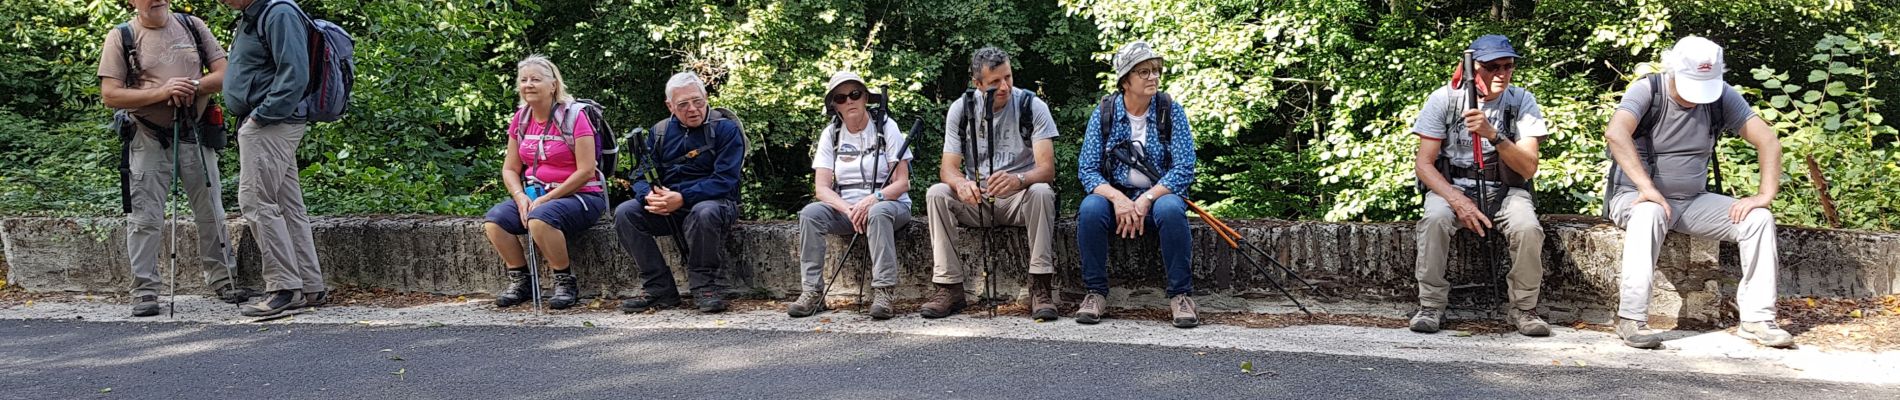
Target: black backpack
(658, 132)
(1646, 126)
(1025, 121)
(1164, 121)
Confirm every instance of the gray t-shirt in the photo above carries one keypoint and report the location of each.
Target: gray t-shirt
(1438, 120)
(1012, 154)
(1682, 140)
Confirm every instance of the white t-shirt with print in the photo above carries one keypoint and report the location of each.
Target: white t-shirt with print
(853, 163)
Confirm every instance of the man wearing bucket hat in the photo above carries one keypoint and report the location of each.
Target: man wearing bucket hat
(1662, 139)
(1146, 126)
(1509, 126)
(862, 186)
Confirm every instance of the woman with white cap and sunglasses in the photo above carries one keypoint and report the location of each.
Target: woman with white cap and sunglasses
(862, 188)
(1662, 139)
(1137, 120)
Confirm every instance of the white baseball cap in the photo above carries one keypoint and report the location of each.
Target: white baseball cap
(1697, 65)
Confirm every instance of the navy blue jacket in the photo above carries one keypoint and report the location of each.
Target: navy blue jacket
(698, 165)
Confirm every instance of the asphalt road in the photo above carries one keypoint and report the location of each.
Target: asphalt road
(53, 359)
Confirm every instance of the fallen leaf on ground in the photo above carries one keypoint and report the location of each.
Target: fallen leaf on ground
(1246, 367)
(589, 324)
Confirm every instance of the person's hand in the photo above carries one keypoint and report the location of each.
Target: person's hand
(1743, 206)
(967, 192)
(522, 204)
(1129, 218)
(1469, 216)
(861, 213)
(1475, 121)
(178, 91)
(663, 202)
(1004, 184)
(1651, 195)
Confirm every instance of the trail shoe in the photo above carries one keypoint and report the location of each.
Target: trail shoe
(1528, 323)
(1093, 307)
(710, 302)
(518, 290)
(1426, 320)
(566, 291)
(146, 306)
(1637, 334)
(1186, 314)
(1767, 333)
(273, 304)
(946, 301)
(1042, 297)
(881, 304)
(645, 302)
(235, 295)
(314, 299)
(809, 302)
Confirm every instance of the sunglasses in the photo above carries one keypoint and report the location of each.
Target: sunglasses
(1498, 67)
(840, 98)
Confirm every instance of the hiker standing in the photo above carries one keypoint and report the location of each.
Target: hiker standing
(699, 154)
(155, 67)
(270, 72)
(1143, 124)
(551, 181)
(1509, 125)
(862, 182)
(1011, 160)
(1662, 139)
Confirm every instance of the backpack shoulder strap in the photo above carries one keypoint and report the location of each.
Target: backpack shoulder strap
(1026, 117)
(1654, 114)
(1164, 117)
(1105, 110)
(128, 46)
(197, 42)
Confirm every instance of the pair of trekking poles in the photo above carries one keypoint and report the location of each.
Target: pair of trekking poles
(181, 116)
(1487, 246)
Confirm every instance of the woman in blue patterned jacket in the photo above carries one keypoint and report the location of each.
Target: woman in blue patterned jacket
(1138, 123)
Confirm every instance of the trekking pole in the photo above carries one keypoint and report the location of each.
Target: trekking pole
(171, 189)
(654, 181)
(224, 252)
(989, 203)
(1487, 245)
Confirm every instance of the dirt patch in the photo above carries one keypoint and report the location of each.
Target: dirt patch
(1871, 324)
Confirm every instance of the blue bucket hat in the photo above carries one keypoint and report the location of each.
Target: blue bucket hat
(1492, 47)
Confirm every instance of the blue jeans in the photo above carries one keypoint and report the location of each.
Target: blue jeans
(1095, 225)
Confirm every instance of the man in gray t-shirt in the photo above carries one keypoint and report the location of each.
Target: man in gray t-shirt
(1509, 126)
(1006, 182)
(1661, 185)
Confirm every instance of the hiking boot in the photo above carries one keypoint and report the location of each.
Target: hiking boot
(1637, 334)
(645, 302)
(1186, 314)
(314, 299)
(881, 304)
(518, 290)
(1426, 320)
(809, 302)
(1093, 307)
(566, 291)
(710, 302)
(235, 295)
(1528, 323)
(946, 301)
(273, 304)
(146, 306)
(1767, 333)
(1042, 297)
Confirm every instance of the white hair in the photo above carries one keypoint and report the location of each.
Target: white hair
(560, 87)
(684, 80)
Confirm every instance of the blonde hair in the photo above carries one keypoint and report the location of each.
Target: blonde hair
(560, 87)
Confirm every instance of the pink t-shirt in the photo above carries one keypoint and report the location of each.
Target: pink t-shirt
(556, 161)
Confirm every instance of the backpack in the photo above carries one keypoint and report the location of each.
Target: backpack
(878, 106)
(1025, 119)
(713, 116)
(1164, 121)
(332, 67)
(1645, 128)
(606, 149)
(208, 131)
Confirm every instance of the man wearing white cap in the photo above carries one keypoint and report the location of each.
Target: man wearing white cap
(1663, 137)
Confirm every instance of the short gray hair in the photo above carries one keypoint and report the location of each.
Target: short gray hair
(987, 58)
(684, 80)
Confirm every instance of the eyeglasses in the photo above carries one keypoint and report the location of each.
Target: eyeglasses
(1147, 72)
(1499, 67)
(696, 102)
(840, 98)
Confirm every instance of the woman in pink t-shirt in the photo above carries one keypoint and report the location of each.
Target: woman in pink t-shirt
(553, 184)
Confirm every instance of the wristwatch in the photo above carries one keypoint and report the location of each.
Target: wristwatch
(879, 195)
(1020, 178)
(1148, 196)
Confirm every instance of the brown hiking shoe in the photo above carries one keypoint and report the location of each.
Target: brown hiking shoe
(881, 304)
(1186, 314)
(1094, 306)
(1528, 323)
(1042, 302)
(946, 301)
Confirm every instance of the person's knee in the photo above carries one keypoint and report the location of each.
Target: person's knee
(1040, 192)
(1646, 211)
(1169, 205)
(538, 225)
(1437, 218)
(940, 193)
(707, 213)
(1759, 217)
(888, 210)
(1526, 233)
(813, 211)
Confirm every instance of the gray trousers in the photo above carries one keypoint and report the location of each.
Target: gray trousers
(880, 233)
(706, 224)
(1033, 208)
(145, 235)
(272, 199)
(1705, 217)
(1516, 219)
